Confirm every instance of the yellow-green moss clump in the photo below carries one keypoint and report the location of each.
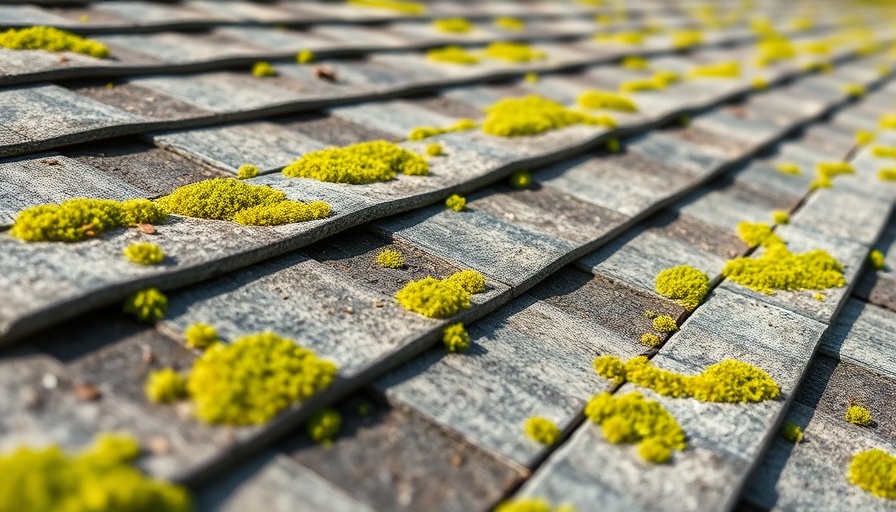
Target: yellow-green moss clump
(441, 298)
(101, 478)
(774, 50)
(434, 149)
(531, 505)
(144, 253)
(518, 53)
(682, 39)
(424, 132)
(399, 6)
(149, 305)
(390, 259)
(453, 25)
(664, 323)
(252, 379)
(779, 269)
(789, 168)
(365, 162)
(729, 69)
(884, 151)
(825, 172)
(887, 122)
(456, 203)
(628, 38)
(632, 418)
(532, 114)
(792, 432)
(858, 415)
(613, 145)
(51, 39)
(456, 338)
(887, 174)
(659, 81)
(262, 69)
(200, 336)
(247, 171)
(77, 219)
(234, 200)
(728, 381)
(854, 90)
(865, 137)
(650, 340)
(453, 55)
(531, 77)
(165, 386)
(759, 83)
(874, 471)
(520, 180)
(876, 259)
(780, 217)
(542, 430)
(305, 57)
(635, 63)
(324, 425)
(684, 284)
(509, 23)
(606, 100)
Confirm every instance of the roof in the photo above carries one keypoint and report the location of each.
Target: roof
(570, 262)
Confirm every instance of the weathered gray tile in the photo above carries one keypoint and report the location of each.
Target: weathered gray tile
(840, 213)
(862, 335)
(182, 48)
(220, 92)
(140, 101)
(663, 147)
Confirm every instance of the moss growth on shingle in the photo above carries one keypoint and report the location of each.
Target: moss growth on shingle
(101, 478)
(854, 90)
(887, 174)
(305, 57)
(509, 23)
(254, 378)
(780, 217)
(453, 25)
(324, 425)
(631, 38)
(531, 505)
(875, 472)
(237, 201)
(517, 53)
(684, 284)
(77, 219)
(858, 415)
(887, 122)
(613, 145)
(825, 172)
(365, 162)
(635, 63)
(51, 39)
(435, 149)
(456, 338)
(456, 203)
(452, 55)
(144, 253)
(531, 77)
(659, 81)
(149, 305)
(263, 69)
(876, 259)
(520, 180)
(200, 336)
(664, 323)
(729, 69)
(433, 298)
(470, 281)
(390, 259)
(165, 386)
(792, 432)
(728, 381)
(788, 168)
(247, 171)
(650, 340)
(607, 100)
(400, 6)
(631, 418)
(883, 151)
(682, 39)
(756, 234)
(758, 83)
(424, 132)
(532, 115)
(542, 430)
(865, 137)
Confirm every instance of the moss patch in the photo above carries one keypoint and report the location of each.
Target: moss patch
(470, 281)
(729, 381)
(635, 63)
(305, 57)
(453, 55)
(682, 39)
(531, 115)
(789, 168)
(424, 132)
(441, 298)
(263, 69)
(149, 305)
(77, 219)
(531, 505)
(518, 53)
(247, 171)
(542, 430)
(664, 323)
(876, 259)
(520, 180)
(324, 425)
(434, 149)
(390, 259)
(874, 471)
(780, 217)
(456, 203)
(729, 69)
(200, 336)
(453, 25)
(509, 23)
(144, 253)
(456, 338)
(756, 234)
(606, 100)
(825, 172)
(365, 162)
(51, 39)
(101, 478)
(858, 415)
(792, 432)
(399, 6)
(650, 340)
(684, 284)
(165, 386)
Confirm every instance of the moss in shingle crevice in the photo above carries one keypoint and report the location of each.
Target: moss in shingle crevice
(51, 39)
(365, 162)
(390, 258)
(684, 284)
(792, 432)
(456, 203)
(263, 69)
(77, 219)
(518, 53)
(456, 338)
(542, 430)
(532, 115)
(858, 415)
(876, 259)
(200, 336)
(165, 386)
(441, 298)
(149, 305)
(720, 70)
(453, 55)
(509, 23)
(606, 100)
(324, 425)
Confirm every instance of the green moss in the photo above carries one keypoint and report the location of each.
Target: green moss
(607, 100)
(635, 63)
(729, 69)
(875, 472)
(434, 149)
(399, 6)
(520, 180)
(263, 69)
(884, 151)
(456, 338)
(531, 115)
(324, 425)
(631, 418)
(650, 340)
(542, 430)
(887, 122)
(200, 336)
(456, 203)
(728, 381)
(254, 378)
(682, 39)
(531, 77)
(518, 53)
(684, 284)
(788, 168)
(453, 55)
(780, 217)
(165, 386)
(305, 57)
(77, 219)
(650, 314)
(876, 259)
(854, 90)
(772, 51)
(613, 145)
(508, 23)
(101, 478)
(756, 234)
(247, 171)
(659, 81)
(234, 200)
(531, 505)
(792, 432)
(433, 298)
(628, 38)
(819, 297)
(365, 162)
(424, 132)
(144, 253)
(51, 39)
(887, 174)
(858, 415)
(664, 323)
(149, 305)
(390, 259)
(470, 281)
(453, 25)
(758, 83)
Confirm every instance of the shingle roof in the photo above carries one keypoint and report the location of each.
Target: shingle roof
(570, 262)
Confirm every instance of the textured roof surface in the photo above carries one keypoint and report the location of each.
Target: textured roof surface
(570, 262)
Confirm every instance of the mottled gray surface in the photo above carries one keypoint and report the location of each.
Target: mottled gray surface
(863, 335)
